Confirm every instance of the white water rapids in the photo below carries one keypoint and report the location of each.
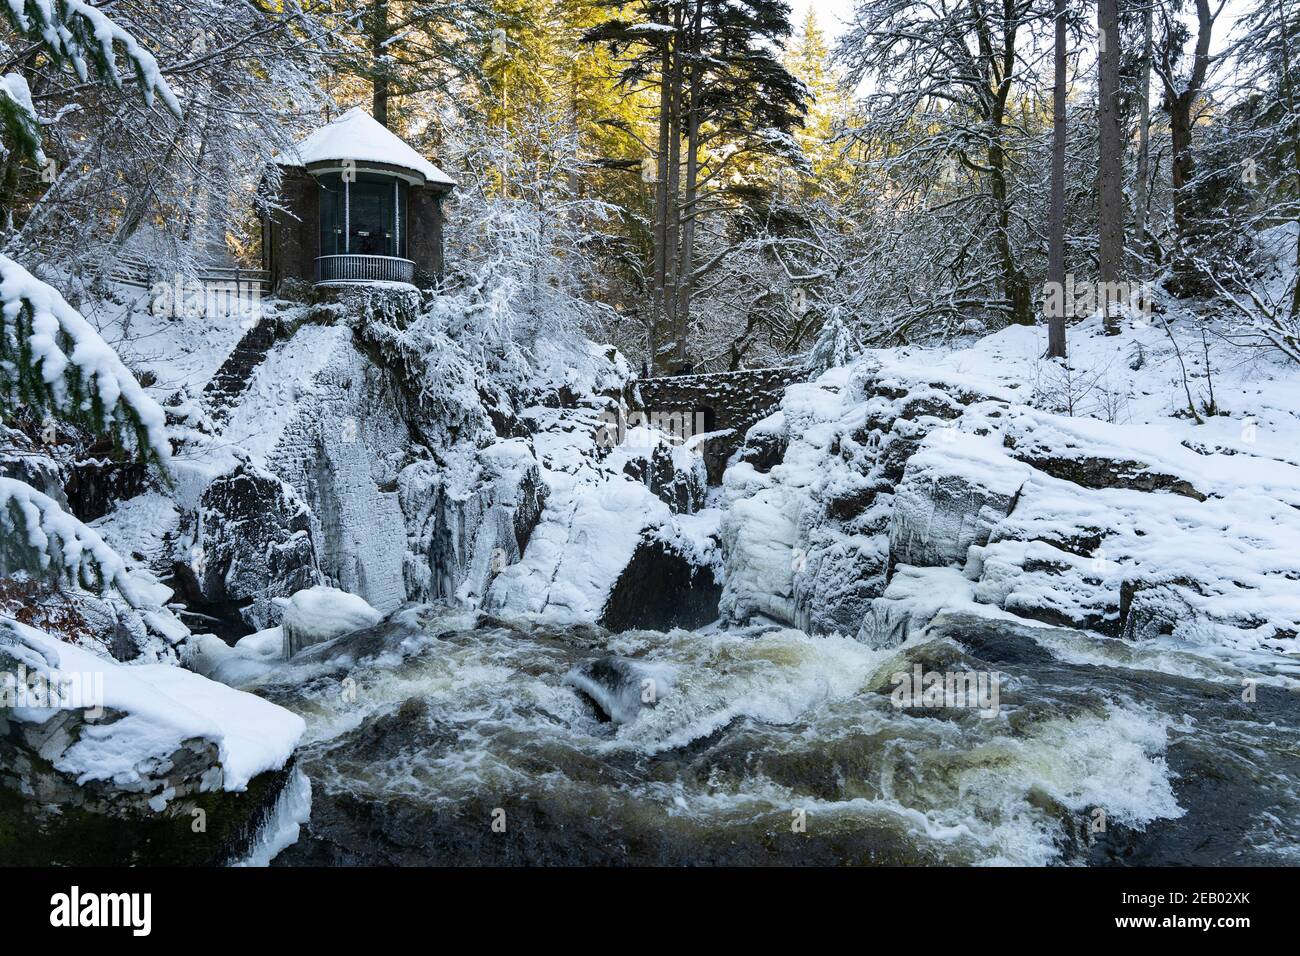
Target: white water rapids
(767, 745)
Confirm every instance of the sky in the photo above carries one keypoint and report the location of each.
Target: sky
(831, 14)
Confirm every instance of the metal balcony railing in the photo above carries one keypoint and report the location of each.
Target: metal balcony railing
(357, 268)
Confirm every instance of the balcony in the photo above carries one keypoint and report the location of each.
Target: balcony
(357, 268)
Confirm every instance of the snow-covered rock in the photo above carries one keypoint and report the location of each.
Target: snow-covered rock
(1143, 529)
(608, 549)
(471, 513)
(759, 533)
(955, 489)
(107, 763)
(675, 474)
(807, 535)
(318, 614)
(249, 543)
(914, 597)
(406, 494)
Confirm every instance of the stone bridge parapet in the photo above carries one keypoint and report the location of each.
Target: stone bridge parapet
(715, 402)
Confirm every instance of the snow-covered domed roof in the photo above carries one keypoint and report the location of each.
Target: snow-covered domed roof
(357, 136)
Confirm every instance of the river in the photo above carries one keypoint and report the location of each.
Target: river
(451, 737)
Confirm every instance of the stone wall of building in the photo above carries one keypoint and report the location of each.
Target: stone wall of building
(294, 240)
(424, 239)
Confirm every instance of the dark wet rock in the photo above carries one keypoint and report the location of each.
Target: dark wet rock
(851, 504)
(1153, 609)
(763, 448)
(95, 485)
(619, 687)
(659, 589)
(98, 828)
(554, 829)
(1096, 472)
(930, 403)
(992, 640)
(359, 645)
(83, 472)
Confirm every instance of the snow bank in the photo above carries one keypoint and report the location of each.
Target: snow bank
(163, 706)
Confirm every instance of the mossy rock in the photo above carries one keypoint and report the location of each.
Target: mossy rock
(61, 835)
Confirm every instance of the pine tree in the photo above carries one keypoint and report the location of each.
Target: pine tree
(401, 49)
(52, 360)
(724, 98)
(827, 105)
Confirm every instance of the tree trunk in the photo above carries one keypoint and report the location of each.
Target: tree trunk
(1287, 86)
(672, 234)
(1110, 165)
(686, 265)
(658, 318)
(1183, 164)
(1144, 132)
(378, 50)
(1056, 208)
(1014, 285)
(1179, 102)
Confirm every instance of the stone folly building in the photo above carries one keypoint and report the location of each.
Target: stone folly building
(358, 206)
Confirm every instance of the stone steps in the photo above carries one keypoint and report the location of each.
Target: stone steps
(231, 380)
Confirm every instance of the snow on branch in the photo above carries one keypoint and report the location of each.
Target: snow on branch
(40, 537)
(84, 36)
(52, 360)
(18, 117)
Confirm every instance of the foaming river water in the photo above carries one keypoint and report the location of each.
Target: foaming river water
(447, 737)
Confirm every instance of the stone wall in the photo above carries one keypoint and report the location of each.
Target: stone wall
(424, 239)
(293, 242)
(716, 401)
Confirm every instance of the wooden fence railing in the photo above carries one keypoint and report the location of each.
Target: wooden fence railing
(134, 271)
